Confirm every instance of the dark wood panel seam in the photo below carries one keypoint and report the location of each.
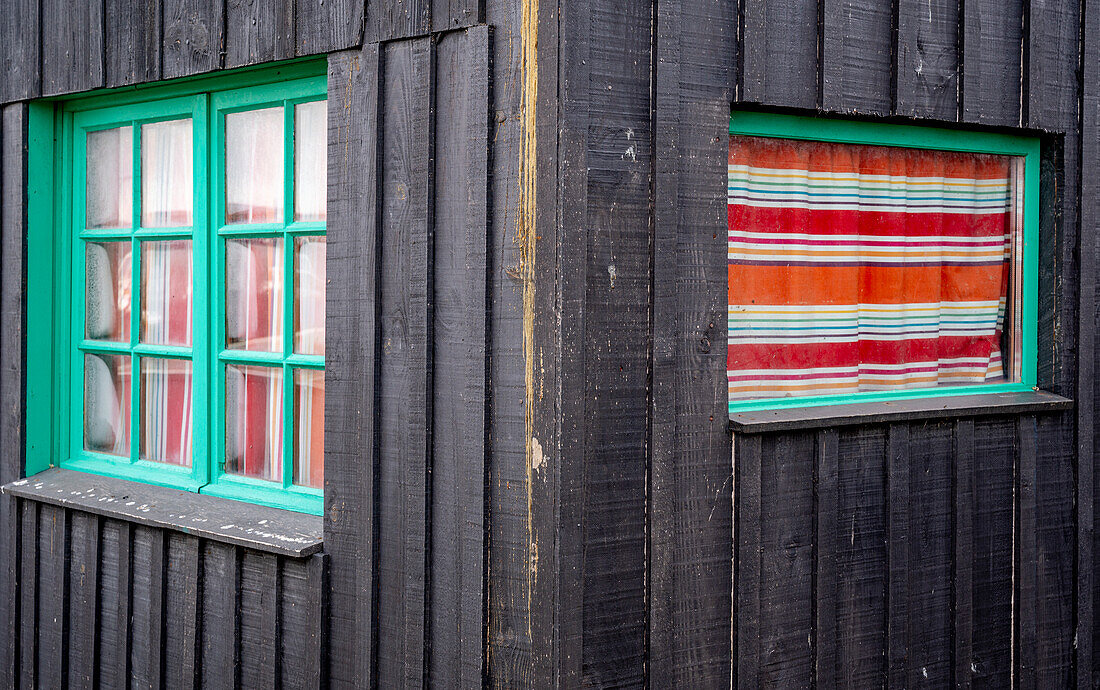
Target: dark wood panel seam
(429, 364)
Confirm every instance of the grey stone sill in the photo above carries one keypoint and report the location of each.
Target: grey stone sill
(947, 407)
(244, 524)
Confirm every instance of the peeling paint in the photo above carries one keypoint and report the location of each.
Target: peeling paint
(537, 457)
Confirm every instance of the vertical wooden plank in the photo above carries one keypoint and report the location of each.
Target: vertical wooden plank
(451, 14)
(20, 51)
(931, 497)
(786, 555)
(53, 596)
(992, 571)
(387, 21)
(114, 605)
(259, 620)
(194, 37)
(826, 499)
(1088, 665)
(1026, 556)
(351, 527)
(928, 59)
(300, 620)
(405, 412)
(779, 49)
(862, 559)
(28, 592)
(258, 31)
(748, 466)
(1054, 542)
(690, 480)
(13, 134)
(72, 57)
(322, 26)
(83, 592)
(132, 42)
(221, 616)
(856, 56)
(963, 573)
(147, 613)
(314, 671)
(181, 612)
(459, 359)
(897, 592)
(991, 77)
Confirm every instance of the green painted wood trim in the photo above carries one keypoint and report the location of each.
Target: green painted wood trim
(805, 128)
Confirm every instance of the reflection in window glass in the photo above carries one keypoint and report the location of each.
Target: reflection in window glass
(166, 389)
(868, 268)
(166, 174)
(254, 166)
(166, 289)
(109, 189)
(310, 160)
(254, 422)
(107, 291)
(254, 295)
(309, 295)
(107, 404)
(309, 427)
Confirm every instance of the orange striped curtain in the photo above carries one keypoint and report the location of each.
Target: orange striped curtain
(864, 268)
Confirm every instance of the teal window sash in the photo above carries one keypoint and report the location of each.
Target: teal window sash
(56, 344)
(782, 126)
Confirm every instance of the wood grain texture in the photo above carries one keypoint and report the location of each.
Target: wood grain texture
(147, 609)
(857, 57)
(779, 52)
(991, 71)
(83, 598)
(28, 597)
(1026, 568)
(748, 465)
(690, 505)
(387, 21)
(259, 620)
(13, 171)
(194, 36)
(964, 485)
(72, 58)
(53, 596)
(113, 660)
(825, 548)
(862, 561)
(20, 51)
(898, 539)
(221, 616)
(258, 31)
(992, 555)
(322, 26)
(351, 527)
(928, 59)
(183, 582)
(300, 618)
(452, 14)
(405, 410)
(132, 42)
(459, 359)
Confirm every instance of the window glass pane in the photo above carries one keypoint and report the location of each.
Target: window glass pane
(254, 166)
(309, 295)
(254, 295)
(254, 421)
(109, 188)
(309, 427)
(166, 291)
(166, 174)
(867, 268)
(310, 160)
(107, 404)
(107, 289)
(166, 411)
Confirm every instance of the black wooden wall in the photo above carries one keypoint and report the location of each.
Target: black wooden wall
(531, 478)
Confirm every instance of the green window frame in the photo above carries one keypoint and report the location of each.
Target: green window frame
(57, 237)
(814, 129)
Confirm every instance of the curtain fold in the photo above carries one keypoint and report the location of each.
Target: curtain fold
(864, 268)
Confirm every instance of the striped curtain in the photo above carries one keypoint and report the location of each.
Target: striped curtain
(864, 268)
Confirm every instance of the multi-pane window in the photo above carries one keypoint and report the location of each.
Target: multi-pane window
(197, 291)
(877, 261)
